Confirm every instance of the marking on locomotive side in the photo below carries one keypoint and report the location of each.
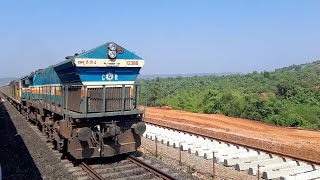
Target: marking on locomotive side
(91, 62)
(109, 77)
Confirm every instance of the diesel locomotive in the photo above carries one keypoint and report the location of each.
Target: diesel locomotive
(88, 104)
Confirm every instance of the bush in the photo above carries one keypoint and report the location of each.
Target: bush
(292, 95)
(294, 120)
(275, 120)
(191, 169)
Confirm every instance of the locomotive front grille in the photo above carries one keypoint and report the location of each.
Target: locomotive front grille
(92, 102)
(113, 102)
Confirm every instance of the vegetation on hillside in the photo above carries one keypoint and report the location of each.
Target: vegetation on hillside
(288, 96)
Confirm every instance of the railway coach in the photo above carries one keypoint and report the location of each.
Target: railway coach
(88, 105)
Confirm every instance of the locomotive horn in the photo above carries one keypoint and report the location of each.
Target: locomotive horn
(139, 128)
(84, 134)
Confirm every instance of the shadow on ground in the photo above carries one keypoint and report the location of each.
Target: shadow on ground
(15, 159)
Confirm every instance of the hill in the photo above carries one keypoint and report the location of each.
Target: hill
(153, 76)
(288, 96)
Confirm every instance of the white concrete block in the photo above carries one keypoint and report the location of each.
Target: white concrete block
(306, 175)
(186, 146)
(270, 174)
(208, 155)
(231, 161)
(164, 140)
(220, 147)
(176, 144)
(253, 170)
(181, 139)
(249, 159)
(170, 142)
(223, 149)
(194, 148)
(241, 153)
(203, 153)
(213, 142)
(161, 138)
(262, 162)
(152, 137)
(231, 151)
(167, 140)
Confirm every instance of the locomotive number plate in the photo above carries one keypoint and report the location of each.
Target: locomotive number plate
(130, 63)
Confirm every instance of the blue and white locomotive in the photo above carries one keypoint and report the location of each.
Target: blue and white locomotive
(88, 105)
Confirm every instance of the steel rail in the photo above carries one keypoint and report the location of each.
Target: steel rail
(91, 172)
(150, 168)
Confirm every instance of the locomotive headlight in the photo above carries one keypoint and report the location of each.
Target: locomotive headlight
(139, 128)
(84, 134)
(112, 54)
(112, 47)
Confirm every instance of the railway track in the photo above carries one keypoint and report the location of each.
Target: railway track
(271, 166)
(161, 173)
(91, 172)
(130, 168)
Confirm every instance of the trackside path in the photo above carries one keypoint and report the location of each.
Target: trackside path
(22, 153)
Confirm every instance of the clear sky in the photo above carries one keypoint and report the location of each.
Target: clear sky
(172, 36)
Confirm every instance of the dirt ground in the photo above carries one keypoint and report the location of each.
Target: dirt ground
(297, 138)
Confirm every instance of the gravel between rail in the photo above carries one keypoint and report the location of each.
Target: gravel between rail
(123, 168)
(23, 155)
(202, 167)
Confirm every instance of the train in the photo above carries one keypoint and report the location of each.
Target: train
(88, 104)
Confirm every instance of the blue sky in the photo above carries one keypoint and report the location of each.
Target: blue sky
(172, 36)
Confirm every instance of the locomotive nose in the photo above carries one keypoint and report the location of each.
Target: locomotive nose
(139, 128)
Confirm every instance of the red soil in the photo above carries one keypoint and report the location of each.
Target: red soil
(297, 138)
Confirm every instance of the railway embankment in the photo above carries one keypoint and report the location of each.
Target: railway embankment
(295, 143)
